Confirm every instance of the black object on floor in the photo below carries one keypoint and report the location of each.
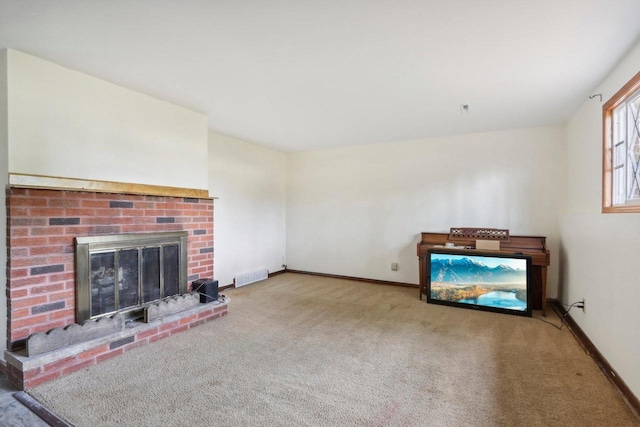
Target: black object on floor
(207, 288)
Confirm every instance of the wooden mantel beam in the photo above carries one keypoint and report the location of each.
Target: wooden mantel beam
(73, 184)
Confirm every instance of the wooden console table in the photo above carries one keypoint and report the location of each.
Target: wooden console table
(535, 247)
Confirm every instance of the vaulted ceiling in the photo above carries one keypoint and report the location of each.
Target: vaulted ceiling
(303, 74)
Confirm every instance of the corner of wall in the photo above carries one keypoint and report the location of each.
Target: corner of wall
(4, 178)
(250, 214)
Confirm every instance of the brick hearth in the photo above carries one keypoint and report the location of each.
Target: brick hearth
(41, 227)
(27, 372)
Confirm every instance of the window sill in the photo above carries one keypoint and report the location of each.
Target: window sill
(621, 209)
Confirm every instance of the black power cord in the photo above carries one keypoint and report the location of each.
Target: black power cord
(578, 304)
(221, 297)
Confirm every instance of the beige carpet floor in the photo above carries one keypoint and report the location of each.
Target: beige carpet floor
(299, 350)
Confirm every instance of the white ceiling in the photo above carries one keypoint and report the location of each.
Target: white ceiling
(303, 74)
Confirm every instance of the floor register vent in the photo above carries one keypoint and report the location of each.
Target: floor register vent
(251, 277)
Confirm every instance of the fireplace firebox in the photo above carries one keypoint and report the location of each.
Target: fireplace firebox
(125, 272)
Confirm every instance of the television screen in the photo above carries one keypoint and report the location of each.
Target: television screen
(484, 281)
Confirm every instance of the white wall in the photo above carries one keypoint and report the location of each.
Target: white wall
(249, 221)
(3, 217)
(68, 124)
(353, 211)
(600, 251)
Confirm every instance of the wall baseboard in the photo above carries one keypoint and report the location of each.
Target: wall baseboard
(357, 279)
(41, 411)
(275, 273)
(627, 395)
(222, 288)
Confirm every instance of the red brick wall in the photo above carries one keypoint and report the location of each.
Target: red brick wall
(41, 226)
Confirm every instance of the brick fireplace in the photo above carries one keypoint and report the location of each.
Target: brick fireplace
(41, 227)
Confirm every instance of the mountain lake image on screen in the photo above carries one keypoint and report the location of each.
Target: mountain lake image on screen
(488, 282)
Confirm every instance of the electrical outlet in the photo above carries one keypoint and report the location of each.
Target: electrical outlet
(394, 266)
(584, 306)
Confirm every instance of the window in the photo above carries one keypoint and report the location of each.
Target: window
(621, 150)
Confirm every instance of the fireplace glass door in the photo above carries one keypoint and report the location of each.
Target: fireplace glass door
(119, 274)
(108, 269)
